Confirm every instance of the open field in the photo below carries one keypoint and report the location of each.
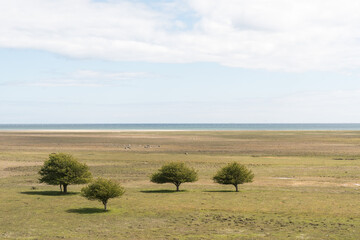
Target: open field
(306, 186)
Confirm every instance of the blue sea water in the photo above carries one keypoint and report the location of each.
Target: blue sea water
(186, 126)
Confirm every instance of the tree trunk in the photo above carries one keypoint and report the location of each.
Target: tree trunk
(177, 187)
(65, 188)
(236, 187)
(60, 188)
(105, 208)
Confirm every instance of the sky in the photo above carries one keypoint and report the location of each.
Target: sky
(179, 61)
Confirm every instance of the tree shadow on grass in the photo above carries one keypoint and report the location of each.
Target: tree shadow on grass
(219, 191)
(49, 193)
(162, 191)
(86, 210)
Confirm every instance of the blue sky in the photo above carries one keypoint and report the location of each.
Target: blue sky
(179, 61)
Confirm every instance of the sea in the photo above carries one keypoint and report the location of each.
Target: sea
(187, 126)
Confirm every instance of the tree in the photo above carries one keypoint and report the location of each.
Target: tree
(102, 190)
(63, 169)
(176, 173)
(234, 174)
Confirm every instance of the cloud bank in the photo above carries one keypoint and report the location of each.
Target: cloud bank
(300, 108)
(285, 35)
(84, 78)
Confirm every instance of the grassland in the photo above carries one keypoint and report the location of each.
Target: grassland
(307, 186)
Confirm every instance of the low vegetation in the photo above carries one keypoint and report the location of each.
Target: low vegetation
(306, 186)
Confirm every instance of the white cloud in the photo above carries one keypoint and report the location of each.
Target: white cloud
(290, 35)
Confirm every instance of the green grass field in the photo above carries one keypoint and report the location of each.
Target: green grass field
(306, 186)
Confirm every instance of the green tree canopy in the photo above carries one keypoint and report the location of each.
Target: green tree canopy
(102, 190)
(63, 169)
(234, 174)
(176, 173)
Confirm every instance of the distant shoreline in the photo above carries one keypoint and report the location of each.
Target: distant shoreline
(101, 130)
(168, 131)
(183, 127)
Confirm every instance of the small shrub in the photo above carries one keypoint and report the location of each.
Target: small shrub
(63, 169)
(176, 173)
(102, 190)
(234, 174)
